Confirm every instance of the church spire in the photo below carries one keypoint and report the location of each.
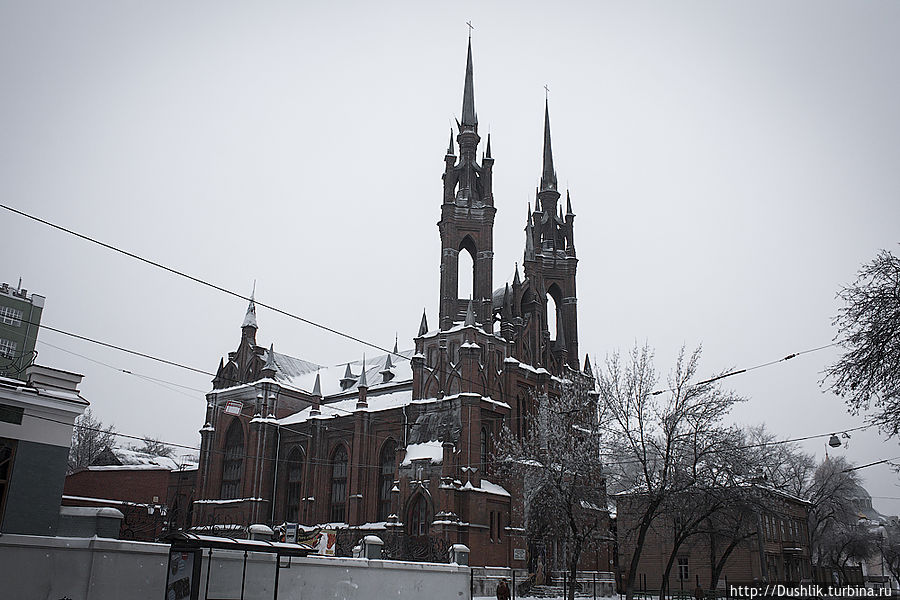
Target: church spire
(423, 326)
(250, 317)
(548, 175)
(470, 314)
(469, 118)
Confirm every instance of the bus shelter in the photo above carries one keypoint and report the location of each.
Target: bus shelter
(183, 574)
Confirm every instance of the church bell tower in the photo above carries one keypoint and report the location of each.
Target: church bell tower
(467, 217)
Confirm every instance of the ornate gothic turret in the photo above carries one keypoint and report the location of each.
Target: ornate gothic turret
(467, 216)
(550, 266)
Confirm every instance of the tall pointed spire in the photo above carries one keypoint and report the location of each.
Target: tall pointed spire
(250, 317)
(362, 387)
(487, 152)
(469, 118)
(568, 204)
(470, 314)
(348, 379)
(450, 150)
(386, 373)
(396, 336)
(548, 175)
(362, 375)
(270, 360)
(423, 326)
(317, 387)
(529, 237)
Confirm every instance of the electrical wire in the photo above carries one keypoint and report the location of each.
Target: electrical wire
(195, 279)
(162, 382)
(748, 369)
(297, 317)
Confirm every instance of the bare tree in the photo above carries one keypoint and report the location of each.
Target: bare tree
(559, 462)
(154, 447)
(783, 466)
(668, 444)
(868, 373)
(89, 438)
(836, 536)
(887, 543)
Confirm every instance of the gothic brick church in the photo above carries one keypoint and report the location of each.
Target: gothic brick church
(400, 445)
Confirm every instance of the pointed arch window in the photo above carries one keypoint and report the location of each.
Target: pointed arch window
(418, 519)
(293, 485)
(339, 486)
(552, 317)
(233, 465)
(386, 475)
(466, 269)
(484, 449)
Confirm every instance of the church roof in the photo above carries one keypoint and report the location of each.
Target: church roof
(301, 374)
(342, 408)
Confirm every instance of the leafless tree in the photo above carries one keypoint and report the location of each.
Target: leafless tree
(836, 536)
(89, 438)
(782, 466)
(559, 462)
(667, 444)
(154, 447)
(868, 373)
(887, 543)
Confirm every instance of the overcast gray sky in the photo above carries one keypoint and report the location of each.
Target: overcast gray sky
(731, 165)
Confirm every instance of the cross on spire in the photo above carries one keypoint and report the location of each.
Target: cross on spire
(546, 92)
(471, 27)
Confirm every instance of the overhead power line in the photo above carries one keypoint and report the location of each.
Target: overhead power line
(748, 369)
(195, 279)
(287, 313)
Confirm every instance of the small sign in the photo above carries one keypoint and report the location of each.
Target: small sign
(290, 533)
(518, 553)
(234, 407)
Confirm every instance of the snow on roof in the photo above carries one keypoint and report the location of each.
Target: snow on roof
(298, 374)
(430, 450)
(291, 368)
(125, 459)
(493, 488)
(342, 408)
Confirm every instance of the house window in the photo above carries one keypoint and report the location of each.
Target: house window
(684, 572)
(418, 517)
(7, 453)
(386, 479)
(339, 486)
(10, 316)
(232, 466)
(294, 479)
(499, 526)
(492, 526)
(7, 348)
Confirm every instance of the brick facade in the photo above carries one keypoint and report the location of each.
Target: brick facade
(775, 548)
(134, 491)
